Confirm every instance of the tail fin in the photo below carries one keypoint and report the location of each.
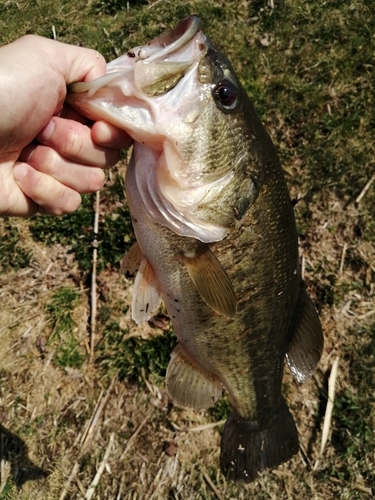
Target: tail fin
(247, 450)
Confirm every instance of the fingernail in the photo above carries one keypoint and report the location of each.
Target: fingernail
(19, 172)
(46, 132)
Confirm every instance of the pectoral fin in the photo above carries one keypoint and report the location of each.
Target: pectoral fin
(190, 385)
(212, 282)
(146, 293)
(306, 345)
(131, 261)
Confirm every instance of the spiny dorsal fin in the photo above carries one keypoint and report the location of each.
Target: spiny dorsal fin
(212, 282)
(190, 385)
(306, 345)
(131, 261)
(146, 293)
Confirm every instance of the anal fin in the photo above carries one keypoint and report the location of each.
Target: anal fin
(212, 282)
(146, 293)
(247, 449)
(190, 385)
(306, 344)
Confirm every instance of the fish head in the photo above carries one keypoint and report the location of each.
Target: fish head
(198, 141)
(146, 87)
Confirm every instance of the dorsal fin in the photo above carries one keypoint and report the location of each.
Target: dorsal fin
(190, 385)
(306, 344)
(146, 293)
(211, 280)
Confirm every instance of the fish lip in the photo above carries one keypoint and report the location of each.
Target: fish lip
(172, 41)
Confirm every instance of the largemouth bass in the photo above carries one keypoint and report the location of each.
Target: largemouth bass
(216, 239)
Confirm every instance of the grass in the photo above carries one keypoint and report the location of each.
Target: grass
(134, 358)
(60, 308)
(12, 254)
(76, 230)
(309, 69)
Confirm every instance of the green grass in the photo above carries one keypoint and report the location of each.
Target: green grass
(68, 351)
(12, 254)
(69, 355)
(60, 309)
(115, 230)
(133, 359)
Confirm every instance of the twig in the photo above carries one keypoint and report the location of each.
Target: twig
(93, 276)
(4, 473)
(89, 425)
(73, 473)
(331, 397)
(366, 315)
(122, 482)
(365, 189)
(198, 428)
(212, 486)
(342, 261)
(80, 485)
(98, 475)
(303, 264)
(359, 487)
(131, 440)
(303, 456)
(329, 408)
(153, 4)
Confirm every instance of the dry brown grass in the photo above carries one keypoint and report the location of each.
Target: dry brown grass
(155, 451)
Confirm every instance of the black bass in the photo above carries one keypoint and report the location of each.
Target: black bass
(216, 239)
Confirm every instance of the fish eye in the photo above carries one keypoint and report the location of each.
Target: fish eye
(225, 94)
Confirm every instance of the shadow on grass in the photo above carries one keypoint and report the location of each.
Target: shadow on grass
(14, 450)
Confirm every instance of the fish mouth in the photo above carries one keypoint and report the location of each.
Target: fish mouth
(157, 66)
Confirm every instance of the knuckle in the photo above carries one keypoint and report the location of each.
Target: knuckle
(74, 144)
(98, 178)
(53, 160)
(94, 180)
(67, 203)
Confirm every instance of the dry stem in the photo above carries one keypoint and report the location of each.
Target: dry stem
(131, 440)
(212, 486)
(365, 189)
(329, 408)
(98, 475)
(93, 276)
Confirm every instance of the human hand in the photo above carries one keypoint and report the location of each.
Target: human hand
(49, 153)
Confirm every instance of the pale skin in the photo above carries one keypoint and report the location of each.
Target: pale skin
(49, 153)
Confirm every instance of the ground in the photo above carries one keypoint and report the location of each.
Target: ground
(68, 417)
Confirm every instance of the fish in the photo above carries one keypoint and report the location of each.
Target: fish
(216, 239)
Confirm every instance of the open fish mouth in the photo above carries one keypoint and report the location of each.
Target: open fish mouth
(167, 53)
